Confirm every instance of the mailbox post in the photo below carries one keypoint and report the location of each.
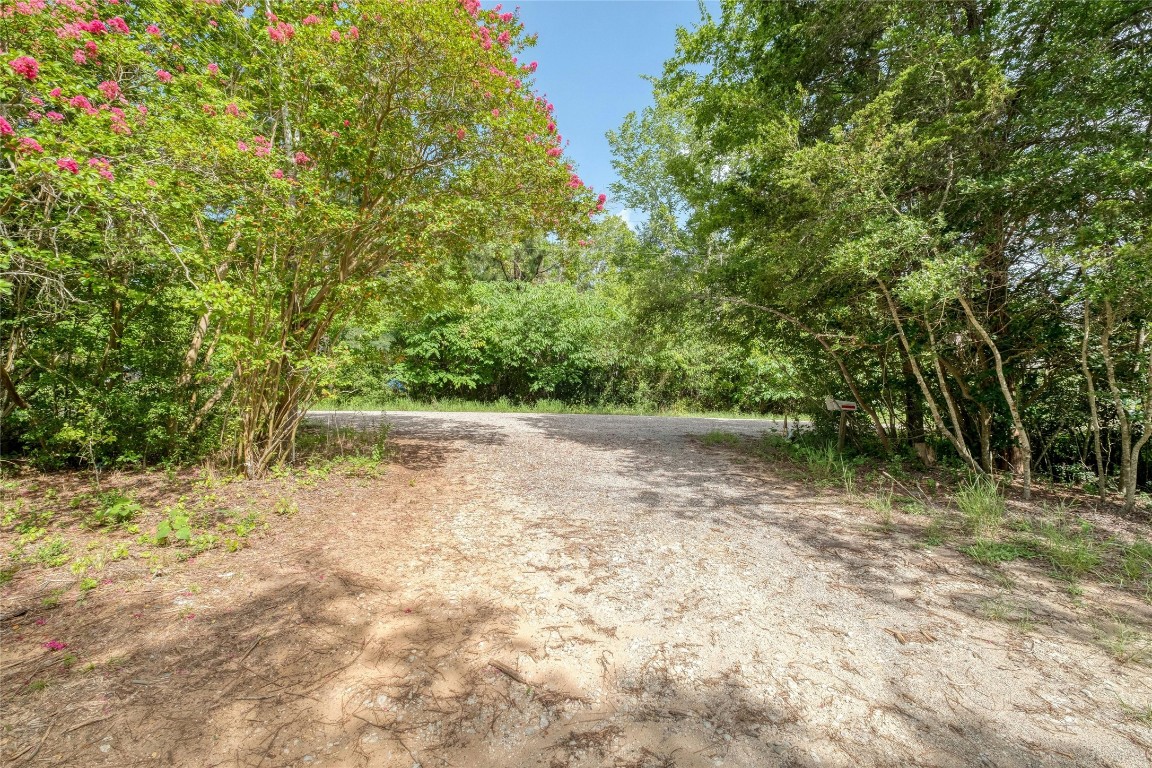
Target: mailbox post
(844, 407)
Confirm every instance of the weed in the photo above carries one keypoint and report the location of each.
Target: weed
(717, 437)
(114, 508)
(53, 553)
(119, 552)
(935, 534)
(37, 685)
(881, 504)
(88, 583)
(999, 609)
(202, 543)
(981, 504)
(53, 598)
(1071, 550)
(990, 552)
(1126, 643)
(176, 526)
(1139, 714)
(7, 574)
(285, 507)
(1136, 561)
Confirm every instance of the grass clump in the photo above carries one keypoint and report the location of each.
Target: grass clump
(1071, 549)
(981, 504)
(721, 438)
(992, 552)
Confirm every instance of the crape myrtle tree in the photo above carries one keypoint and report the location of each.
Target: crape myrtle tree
(295, 164)
(947, 202)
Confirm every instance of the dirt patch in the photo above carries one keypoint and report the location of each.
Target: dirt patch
(526, 590)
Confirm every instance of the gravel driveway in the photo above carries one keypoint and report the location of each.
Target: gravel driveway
(636, 598)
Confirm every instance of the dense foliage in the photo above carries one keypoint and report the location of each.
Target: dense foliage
(948, 203)
(196, 198)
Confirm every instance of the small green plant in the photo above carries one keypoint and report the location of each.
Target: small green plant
(52, 553)
(1141, 715)
(981, 504)
(1125, 642)
(285, 507)
(935, 534)
(37, 685)
(114, 508)
(177, 525)
(88, 583)
(881, 504)
(8, 573)
(717, 437)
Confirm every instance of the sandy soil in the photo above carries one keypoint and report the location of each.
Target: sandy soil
(571, 591)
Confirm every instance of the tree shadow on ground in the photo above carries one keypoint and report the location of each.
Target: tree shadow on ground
(335, 668)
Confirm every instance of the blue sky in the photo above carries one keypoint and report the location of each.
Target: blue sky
(593, 54)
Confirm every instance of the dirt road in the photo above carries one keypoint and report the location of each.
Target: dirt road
(538, 590)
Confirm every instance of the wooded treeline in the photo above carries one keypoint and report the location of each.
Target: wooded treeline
(948, 202)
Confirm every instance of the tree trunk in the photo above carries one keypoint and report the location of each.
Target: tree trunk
(1018, 431)
(1094, 413)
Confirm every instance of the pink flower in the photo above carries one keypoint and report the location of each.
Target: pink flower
(92, 48)
(102, 167)
(55, 645)
(551, 127)
(163, 76)
(212, 23)
(34, 116)
(80, 102)
(232, 110)
(37, 101)
(599, 206)
(277, 174)
(153, 30)
(354, 33)
(143, 110)
(532, 67)
(282, 32)
(150, 183)
(67, 164)
(602, 198)
(5, 127)
(79, 57)
(310, 19)
(55, 117)
(119, 25)
(208, 109)
(461, 133)
(110, 89)
(26, 66)
(334, 36)
(55, 93)
(574, 182)
(507, 17)
(495, 113)
(241, 146)
(554, 152)
(302, 159)
(96, 27)
(504, 38)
